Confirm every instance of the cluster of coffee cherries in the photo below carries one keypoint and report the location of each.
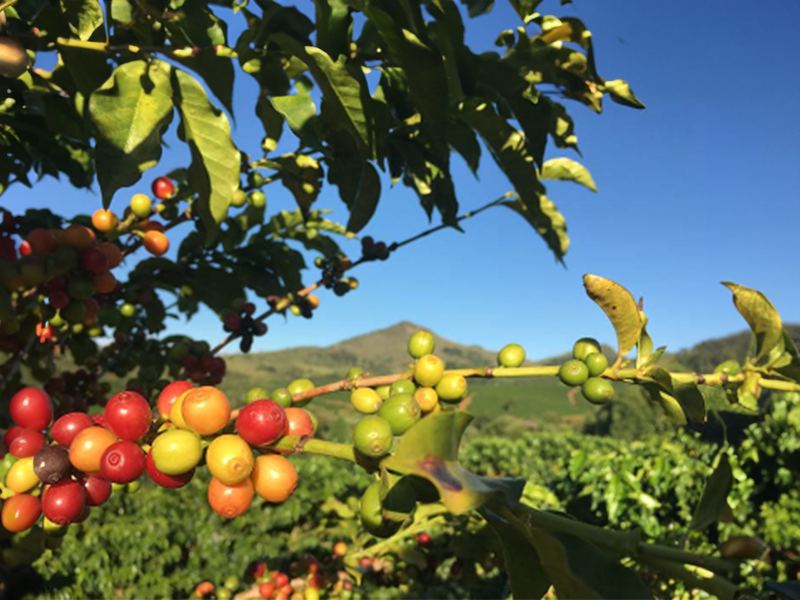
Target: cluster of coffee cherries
(74, 391)
(63, 470)
(333, 269)
(197, 362)
(240, 322)
(372, 250)
(585, 370)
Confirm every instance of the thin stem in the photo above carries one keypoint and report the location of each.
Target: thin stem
(304, 445)
(408, 532)
(396, 245)
(7, 4)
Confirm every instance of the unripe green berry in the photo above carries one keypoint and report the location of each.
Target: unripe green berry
(428, 370)
(384, 391)
(451, 388)
(597, 363)
(257, 393)
(402, 386)
(573, 372)
(257, 199)
(366, 400)
(421, 343)
(282, 396)
(597, 390)
(401, 411)
(354, 372)
(372, 437)
(584, 347)
(127, 310)
(729, 367)
(511, 356)
(298, 386)
(239, 198)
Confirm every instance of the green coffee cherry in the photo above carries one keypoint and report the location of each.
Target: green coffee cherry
(729, 367)
(451, 388)
(511, 356)
(371, 510)
(366, 400)
(239, 198)
(231, 583)
(298, 386)
(372, 437)
(282, 396)
(354, 372)
(258, 393)
(402, 386)
(584, 347)
(384, 391)
(597, 390)
(429, 370)
(597, 363)
(401, 411)
(257, 199)
(573, 372)
(127, 310)
(421, 343)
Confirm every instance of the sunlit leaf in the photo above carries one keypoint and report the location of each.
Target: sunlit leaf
(760, 314)
(621, 309)
(566, 169)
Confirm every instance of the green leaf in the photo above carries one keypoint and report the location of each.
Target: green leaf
(334, 27)
(478, 7)
(89, 69)
(644, 349)
(621, 93)
(620, 308)
(566, 169)
(341, 92)
(464, 141)
(426, 74)
(429, 449)
(714, 501)
(526, 9)
(84, 16)
(272, 120)
(691, 400)
(680, 400)
(359, 187)
(507, 146)
(216, 71)
(301, 175)
(525, 573)
(214, 172)
(298, 110)
(121, 11)
(131, 111)
(761, 316)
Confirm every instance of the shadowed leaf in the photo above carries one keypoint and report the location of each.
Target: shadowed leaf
(714, 501)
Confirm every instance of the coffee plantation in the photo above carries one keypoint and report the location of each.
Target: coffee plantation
(131, 473)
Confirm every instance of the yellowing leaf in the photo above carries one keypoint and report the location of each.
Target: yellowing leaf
(760, 314)
(620, 308)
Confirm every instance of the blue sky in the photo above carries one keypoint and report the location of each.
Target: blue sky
(696, 189)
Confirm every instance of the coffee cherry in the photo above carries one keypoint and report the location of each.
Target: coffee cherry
(372, 437)
(51, 464)
(163, 188)
(169, 395)
(424, 538)
(63, 502)
(365, 400)
(141, 206)
(261, 422)
(402, 386)
(354, 372)
(31, 408)
(156, 243)
(282, 396)
(176, 410)
(42, 242)
(729, 367)
(78, 237)
(104, 220)
(597, 390)
(274, 478)
(229, 459)
(177, 451)
(127, 310)
(230, 501)
(421, 343)
(232, 321)
(427, 398)
(401, 411)
(299, 386)
(511, 356)
(96, 488)
(20, 512)
(596, 363)
(384, 391)
(340, 549)
(68, 426)
(371, 511)
(9, 435)
(452, 388)
(573, 372)
(26, 443)
(429, 370)
(257, 393)
(206, 410)
(266, 589)
(88, 446)
(128, 415)
(21, 477)
(257, 199)
(122, 462)
(584, 347)
(298, 422)
(112, 252)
